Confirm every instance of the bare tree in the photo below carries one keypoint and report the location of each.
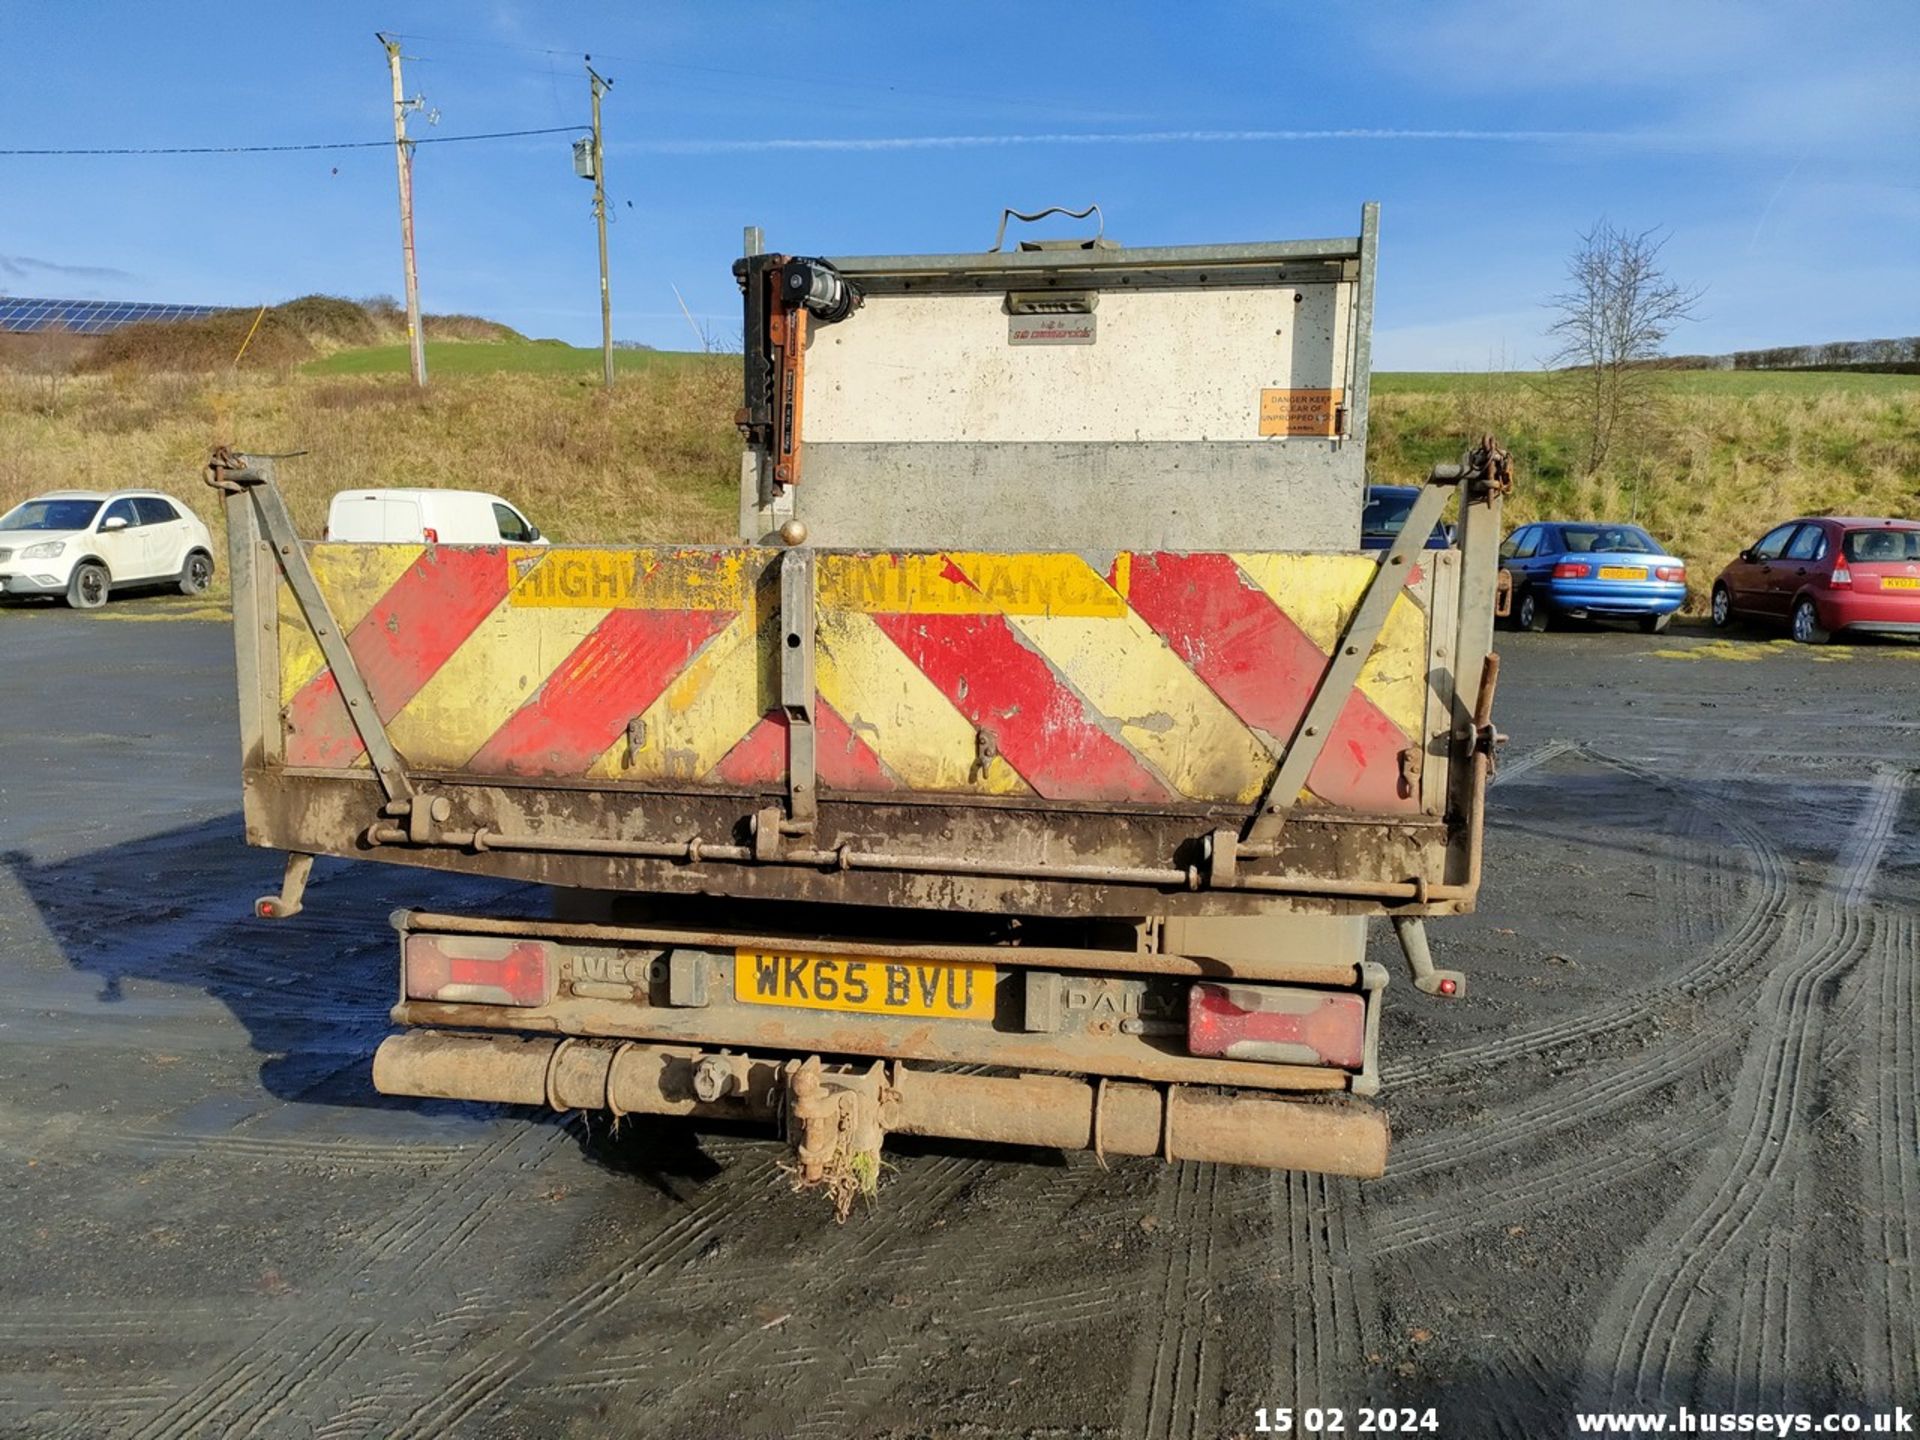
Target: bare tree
(1615, 315)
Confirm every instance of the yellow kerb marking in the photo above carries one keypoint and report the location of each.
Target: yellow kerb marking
(965, 583)
(889, 703)
(353, 578)
(642, 579)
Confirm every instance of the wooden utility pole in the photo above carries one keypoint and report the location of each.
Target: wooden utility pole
(600, 87)
(403, 159)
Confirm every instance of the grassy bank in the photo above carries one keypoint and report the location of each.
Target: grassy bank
(524, 357)
(1729, 453)
(658, 458)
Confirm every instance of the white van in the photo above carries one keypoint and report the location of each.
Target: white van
(429, 517)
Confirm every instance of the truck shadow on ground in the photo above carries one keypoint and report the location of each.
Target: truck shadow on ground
(176, 909)
(312, 992)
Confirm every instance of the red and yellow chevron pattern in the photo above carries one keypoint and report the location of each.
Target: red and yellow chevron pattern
(1167, 677)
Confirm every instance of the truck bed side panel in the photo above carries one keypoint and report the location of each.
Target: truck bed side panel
(1139, 677)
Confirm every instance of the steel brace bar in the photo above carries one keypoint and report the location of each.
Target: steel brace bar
(1349, 657)
(249, 479)
(797, 695)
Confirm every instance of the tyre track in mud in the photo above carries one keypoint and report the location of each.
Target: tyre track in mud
(251, 1387)
(847, 1379)
(1655, 1314)
(1890, 1086)
(926, 1189)
(1733, 956)
(1406, 1222)
(1859, 863)
(1173, 1386)
(883, 1345)
(68, 1132)
(1585, 1099)
(1317, 1345)
(1511, 768)
(1508, 1198)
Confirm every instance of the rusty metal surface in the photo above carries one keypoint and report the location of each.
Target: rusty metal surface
(1347, 1138)
(330, 814)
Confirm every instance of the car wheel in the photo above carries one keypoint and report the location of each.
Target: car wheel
(1656, 624)
(1529, 613)
(1806, 624)
(1722, 607)
(88, 587)
(197, 574)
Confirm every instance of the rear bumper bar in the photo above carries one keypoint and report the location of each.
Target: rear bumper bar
(1341, 1137)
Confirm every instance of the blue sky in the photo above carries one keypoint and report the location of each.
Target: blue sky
(1779, 145)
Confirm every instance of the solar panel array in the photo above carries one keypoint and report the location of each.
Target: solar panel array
(89, 317)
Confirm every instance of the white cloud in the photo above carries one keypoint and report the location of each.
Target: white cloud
(1120, 137)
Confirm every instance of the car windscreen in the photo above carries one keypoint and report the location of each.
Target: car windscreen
(1385, 514)
(1608, 540)
(51, 515)
(1879, 547)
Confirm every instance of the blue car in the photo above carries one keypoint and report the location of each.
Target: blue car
(1587, 570)
(1386, 512)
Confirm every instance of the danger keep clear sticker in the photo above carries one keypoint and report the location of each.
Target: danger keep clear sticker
(1299, 412)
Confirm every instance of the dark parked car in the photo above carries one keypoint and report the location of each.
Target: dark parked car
(1608, 572)
(1826, 574)
(1386, 512)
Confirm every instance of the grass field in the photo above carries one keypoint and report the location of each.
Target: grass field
(1675, 382)
(658, 458)
(524, 357)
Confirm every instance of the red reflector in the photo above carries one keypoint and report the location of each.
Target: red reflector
(479, 969)
(1447, 987)
(1568, 570)
(430, 535)
(1272, 1022)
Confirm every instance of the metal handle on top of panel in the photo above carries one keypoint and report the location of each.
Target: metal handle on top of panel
(1000, 235)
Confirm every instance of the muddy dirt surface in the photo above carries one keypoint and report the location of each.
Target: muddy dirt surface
(1663, 1153)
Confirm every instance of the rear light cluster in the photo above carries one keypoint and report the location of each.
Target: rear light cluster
(479, 969)
(431, 535)
(1675, 573)
(1571, 570)
(1269, 1022)
(1841, 578)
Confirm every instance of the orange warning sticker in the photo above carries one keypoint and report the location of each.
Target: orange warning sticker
(1299, 412)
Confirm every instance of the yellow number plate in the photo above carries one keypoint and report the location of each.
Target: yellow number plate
(1899, 582)
(1621, 572)
(859, 983)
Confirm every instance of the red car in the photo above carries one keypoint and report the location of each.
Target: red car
(1826, 574)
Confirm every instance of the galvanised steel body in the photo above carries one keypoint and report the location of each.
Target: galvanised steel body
(1048, 717)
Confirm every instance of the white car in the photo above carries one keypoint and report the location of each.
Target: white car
(427, 517)
(86, 544)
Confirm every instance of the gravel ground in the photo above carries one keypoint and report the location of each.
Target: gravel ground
(1663, 1153)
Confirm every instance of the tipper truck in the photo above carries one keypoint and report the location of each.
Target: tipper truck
(1027, 773)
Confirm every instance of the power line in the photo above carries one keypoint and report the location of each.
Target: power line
(284, 149)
